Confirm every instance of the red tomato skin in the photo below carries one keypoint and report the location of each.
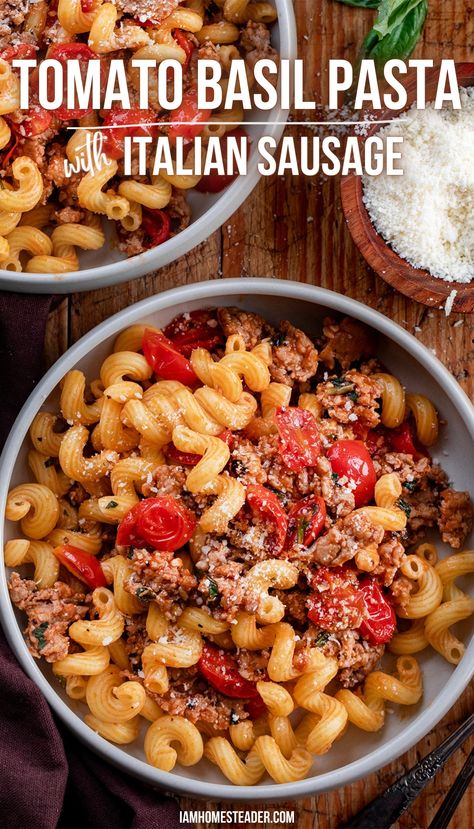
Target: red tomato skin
(300, 443)
(256, 708)
(214, 183)
(403, 440)
(311, 510)
(63, 52)
(22, 51)
(187, 121)
(220, 670)
(182, 458)
(163, 523)
(157, 226)
(379, 626)
(266, 506)
(124, 118)
(351, 459)
(37, 121)
(165, 361)
(82, 565)
(190, 331)
(185, 44)
(337, 603)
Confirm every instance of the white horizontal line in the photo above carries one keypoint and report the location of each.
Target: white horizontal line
(239, 124)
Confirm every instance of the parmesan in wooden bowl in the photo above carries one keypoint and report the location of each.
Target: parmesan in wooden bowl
(417, 230)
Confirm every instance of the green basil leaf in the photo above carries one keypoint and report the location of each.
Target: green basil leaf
(39, 633)
(391, 14)
(400, 40)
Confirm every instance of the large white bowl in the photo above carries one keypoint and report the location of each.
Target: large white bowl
(356, 754)
(109, 266)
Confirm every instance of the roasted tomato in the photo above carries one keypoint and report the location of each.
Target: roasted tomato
(379, 624)
(337, 602)
(165, 361)
(196, 329)
(81, 564)
(188, 121)
(403, 440)
(127, 122)
(157, 226)
(162, 523)
(220, 670)
(306, 521)
(299, 437)
(351, 460)
(266, 506)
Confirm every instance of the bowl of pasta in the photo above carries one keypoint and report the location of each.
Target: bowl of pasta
(80, 208)
(236, 540)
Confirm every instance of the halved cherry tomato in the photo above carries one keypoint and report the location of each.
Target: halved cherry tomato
(127, 122)
(197, 329)
(403, 440)
(350, 459)
(166, 362)
(81, 564)
(256, 708)
(22, 51)
(185, 44)
(379, 625)
(64, 52)
(187, 121)
(220, 670)
(306, 521)
(375, 440)
(37, 120)
(157, 226)
(267, 507)
(213, 182)
(162, 523)
(300, 443)
(337, 603)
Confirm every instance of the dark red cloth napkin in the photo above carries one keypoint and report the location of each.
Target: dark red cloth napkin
(47, 778)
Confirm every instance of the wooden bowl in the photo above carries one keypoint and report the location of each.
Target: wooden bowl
(415, 283)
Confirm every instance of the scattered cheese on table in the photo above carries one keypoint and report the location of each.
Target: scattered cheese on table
(427, 214)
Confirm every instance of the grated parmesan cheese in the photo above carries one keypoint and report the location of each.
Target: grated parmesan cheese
(427, 214)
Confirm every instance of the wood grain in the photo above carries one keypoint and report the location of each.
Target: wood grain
(293, 228)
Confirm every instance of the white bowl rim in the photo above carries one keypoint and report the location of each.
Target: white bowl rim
(217, 214)
(213, 291)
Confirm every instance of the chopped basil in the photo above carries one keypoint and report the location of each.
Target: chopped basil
(130, 552)
(278, 339)
(353, 396)
(401, 504)
(410, 485)
(234, 717)
(145, 594)
(321, 638)
(335, 477)
(39, 633)
(301, 526)
(213, 589)
(111, 505)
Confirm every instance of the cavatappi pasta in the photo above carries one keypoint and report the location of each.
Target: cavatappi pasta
(225, 532)
(57, 192)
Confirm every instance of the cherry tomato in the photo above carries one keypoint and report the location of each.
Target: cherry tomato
(306, 521)
(88, 6)
(213, 182)
(162, 523)
(379, 625)
(185, 44)
(37, 120)
(187, 120)
(403, 440)
(157, 226)
(376, 441)
(337, 603)
(197, 329)
(127, 122)
(22, 51)
(300, 443)
(166, 362)
(220, 670)
(267, 507)
(227, 436)
(64, 52)
(350, 459)
(81, 564)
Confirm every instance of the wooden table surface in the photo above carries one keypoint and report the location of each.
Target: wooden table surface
(293, 228)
